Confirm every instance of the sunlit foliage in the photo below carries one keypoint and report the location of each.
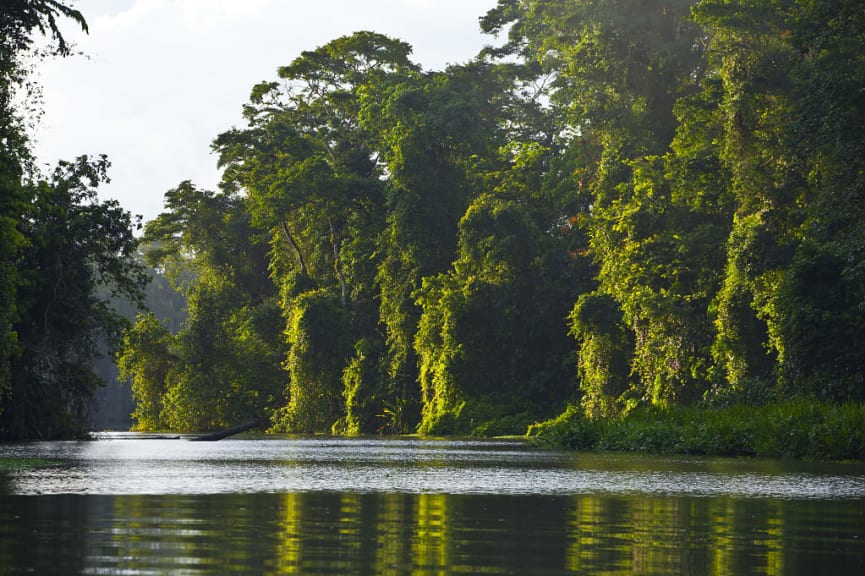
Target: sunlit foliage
(627, 205)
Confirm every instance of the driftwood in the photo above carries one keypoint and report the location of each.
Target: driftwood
(131, 436)
(219, 435)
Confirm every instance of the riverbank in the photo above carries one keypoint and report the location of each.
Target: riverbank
(804, 429)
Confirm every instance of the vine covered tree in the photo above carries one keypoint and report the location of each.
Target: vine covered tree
(626, 203)
(311, 172)
(223, 366)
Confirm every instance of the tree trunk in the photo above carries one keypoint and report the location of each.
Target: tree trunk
(294, 245)
(337, 262)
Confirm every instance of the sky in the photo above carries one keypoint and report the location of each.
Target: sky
(160, 79)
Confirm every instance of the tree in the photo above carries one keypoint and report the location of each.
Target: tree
(491, 341)
(616, 66)
(734, 126)
(786, 72)
(439, 131)
(307, 164)
(224, 364)
(796, 103)
(19, 19)
(830, 38)
(617, 71)
(606, 350)
(312, 177)
(658, 259)
(672, 183)
(318, 339)
(75, 245)
(146, 359)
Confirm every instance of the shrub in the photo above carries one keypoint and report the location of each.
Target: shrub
(803, 428)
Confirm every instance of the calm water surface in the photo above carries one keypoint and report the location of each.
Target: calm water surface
(340, 506)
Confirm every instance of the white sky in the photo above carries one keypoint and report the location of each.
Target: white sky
(162, 78)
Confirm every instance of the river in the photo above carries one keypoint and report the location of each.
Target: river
(125, 505)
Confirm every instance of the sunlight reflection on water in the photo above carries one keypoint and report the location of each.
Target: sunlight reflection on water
(121, 465)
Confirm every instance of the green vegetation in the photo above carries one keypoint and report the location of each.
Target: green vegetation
(644, 214)
(617, 210)
(795, 429)
(61, 249)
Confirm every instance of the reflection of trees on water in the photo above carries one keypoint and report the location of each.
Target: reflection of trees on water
(391, 534)
(712, 536)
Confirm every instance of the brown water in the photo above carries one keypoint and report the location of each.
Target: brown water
(336, 506)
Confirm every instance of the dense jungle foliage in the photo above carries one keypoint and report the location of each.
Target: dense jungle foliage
(620, 205)
(63, 254)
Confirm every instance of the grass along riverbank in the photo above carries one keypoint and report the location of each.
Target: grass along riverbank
(805, 429)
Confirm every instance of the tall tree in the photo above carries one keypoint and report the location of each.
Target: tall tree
(146, 359)
(19, 20)
(491, 340)
(75, 244)
(617, 70)
(310, 169)
(826, 295)
(617, 66)
(441, 131)
(224, 364)
(790, 134)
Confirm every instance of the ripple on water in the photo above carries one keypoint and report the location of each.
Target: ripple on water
(120, 465)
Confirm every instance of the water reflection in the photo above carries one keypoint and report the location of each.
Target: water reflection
(375, 533)
(331, 506)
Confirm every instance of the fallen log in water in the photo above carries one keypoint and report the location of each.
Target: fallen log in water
(132, 436)
(214, 436)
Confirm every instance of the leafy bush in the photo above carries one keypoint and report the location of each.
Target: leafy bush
(571, 431)
(802, 428)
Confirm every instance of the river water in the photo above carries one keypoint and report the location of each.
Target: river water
(125, 505)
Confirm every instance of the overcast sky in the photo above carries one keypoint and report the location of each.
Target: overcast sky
(161, 78)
